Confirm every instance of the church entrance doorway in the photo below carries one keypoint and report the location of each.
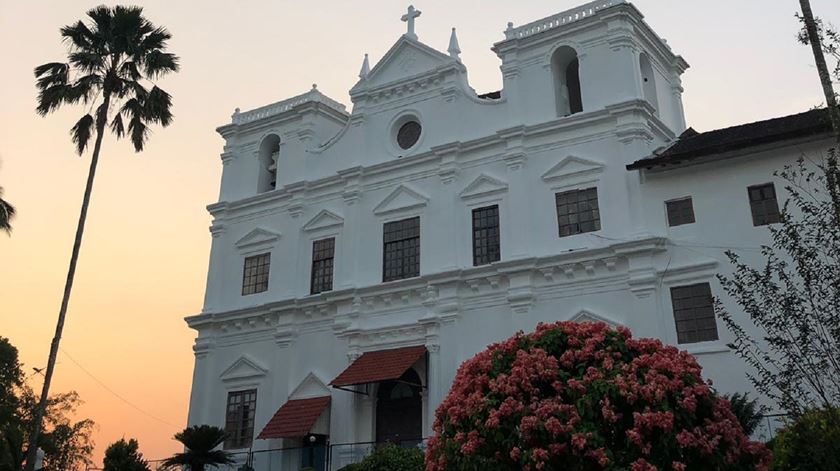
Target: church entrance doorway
(399, 410)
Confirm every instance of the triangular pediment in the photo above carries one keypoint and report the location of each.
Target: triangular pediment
(257, 237)
(406, 58)
(402, 198)
(589, 316)
(483, 185)
(311, 386)
(572, 166)
(245, 367)
(323, 220)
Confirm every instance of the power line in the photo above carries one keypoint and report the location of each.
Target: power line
(115, 394)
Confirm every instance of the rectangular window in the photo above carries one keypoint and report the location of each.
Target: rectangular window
(401, 251)
(763, 204)
(255, 274)
(486, 241)
(239, 418)
(323, 254)
(577, 211)
(694, 313)
(680, 212)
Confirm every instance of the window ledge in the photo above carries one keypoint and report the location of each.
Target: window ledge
(705, 348)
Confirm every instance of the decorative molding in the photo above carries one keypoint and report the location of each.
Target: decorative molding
(403, 198)
(245, 367)
(258, 238)
(572, 170)
(585, 315)
(323, 220)
(310, 386)
(483, 185)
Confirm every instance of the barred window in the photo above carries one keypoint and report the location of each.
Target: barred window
(486, 241)
(763, 204)
(323, 255)
(577, 211)
(255, 274)
(239, 418)
(401, 251)
(680, 212)
(694, 313)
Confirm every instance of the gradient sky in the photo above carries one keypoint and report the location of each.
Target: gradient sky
(144, 259)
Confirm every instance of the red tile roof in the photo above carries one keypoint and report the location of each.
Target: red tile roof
(384, 365)
(295, 418)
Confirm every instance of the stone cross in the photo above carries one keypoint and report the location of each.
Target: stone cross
(409, 18)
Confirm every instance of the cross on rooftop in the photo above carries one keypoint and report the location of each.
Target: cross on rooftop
(409, 18)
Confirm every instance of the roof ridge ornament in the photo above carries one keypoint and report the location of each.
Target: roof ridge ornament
(454, 48)
(363, 74)
(409, 17)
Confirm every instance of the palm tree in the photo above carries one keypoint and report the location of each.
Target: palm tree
(7, 212)
(112, 62)
(200, 442)
(813, 34)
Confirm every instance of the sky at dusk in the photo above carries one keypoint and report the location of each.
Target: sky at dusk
(126, 348)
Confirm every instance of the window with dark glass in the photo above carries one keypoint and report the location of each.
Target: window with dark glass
(694, 313)
(323, 255)
(680, 212)
(401, 251)
(577, 211)
(239, 419)
(763, 204)
(255, 274)
(486, 241)
(409, 134)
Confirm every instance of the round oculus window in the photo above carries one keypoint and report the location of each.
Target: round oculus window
(408, 134)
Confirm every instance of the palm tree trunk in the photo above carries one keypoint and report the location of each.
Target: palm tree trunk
(101, 120)
(822, 68)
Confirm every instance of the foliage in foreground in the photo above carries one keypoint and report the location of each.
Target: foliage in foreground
(67, 443)
(794, 299)
(810, 443)
(390, 458)
(585, 396)
(124, 455)
(200, 442)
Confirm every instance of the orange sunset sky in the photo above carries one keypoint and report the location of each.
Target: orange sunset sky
(144, 259)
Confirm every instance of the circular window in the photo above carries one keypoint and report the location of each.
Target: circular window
(408, 134)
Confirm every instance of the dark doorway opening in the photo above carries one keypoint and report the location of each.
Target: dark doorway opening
(399, 410)
(314, 452)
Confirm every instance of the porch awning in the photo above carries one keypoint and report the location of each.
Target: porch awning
(295, 418)
(383, 365)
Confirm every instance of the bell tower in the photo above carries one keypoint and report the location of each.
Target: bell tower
(589, 58)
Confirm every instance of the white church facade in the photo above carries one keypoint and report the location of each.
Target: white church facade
(359, 257)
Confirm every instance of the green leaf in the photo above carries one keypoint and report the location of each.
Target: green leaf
(81, 132)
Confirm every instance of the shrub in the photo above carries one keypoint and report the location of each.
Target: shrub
(390, 458)
(812, 442)
(585, 396)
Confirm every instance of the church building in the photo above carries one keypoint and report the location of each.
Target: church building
(359, 257)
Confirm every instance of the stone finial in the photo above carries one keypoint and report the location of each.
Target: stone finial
(365, 68)
(314, 86)
(454, 49)
(409, 17)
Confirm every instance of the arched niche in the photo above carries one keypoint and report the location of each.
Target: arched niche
(269, 154)
(648, 81)
(565, 68)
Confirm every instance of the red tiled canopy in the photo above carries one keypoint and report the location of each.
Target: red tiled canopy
(384, 365)
(295, 418)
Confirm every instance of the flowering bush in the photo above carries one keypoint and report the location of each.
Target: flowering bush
(586, 397)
